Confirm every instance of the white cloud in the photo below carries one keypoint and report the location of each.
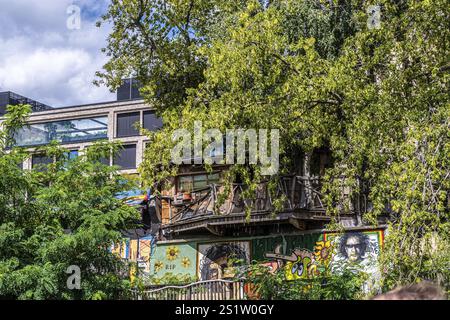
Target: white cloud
(44, 60)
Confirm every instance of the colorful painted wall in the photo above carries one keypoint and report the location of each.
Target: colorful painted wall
(214, 260)
(136, 250)
(300, 256)
(307, 256)
(176, 259)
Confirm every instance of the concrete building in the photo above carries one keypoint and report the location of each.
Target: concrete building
(77, 127)
(188, 235)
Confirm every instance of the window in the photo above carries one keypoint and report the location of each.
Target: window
(72, 154)
(66, 131)
(126, 158)
(197, 182)
(40, 161)
(105, 161)
(4, 101)
(69, 156)
(129, 90)
(97, 156)
(126, 124)
(185, 184)
(151, 121)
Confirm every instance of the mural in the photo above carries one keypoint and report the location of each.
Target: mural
(303, 263)
(136, 250)
(133, 250)
(215, 260)
(297, 256)
(357, 247)
(176, 259)
(144, 253)
(121, 249)
(329, 254)
(286, 244)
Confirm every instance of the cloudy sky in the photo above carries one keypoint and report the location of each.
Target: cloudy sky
(43, 59)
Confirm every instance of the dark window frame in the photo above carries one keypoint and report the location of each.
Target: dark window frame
(118, 157)
(40, 165)
(128, 128)
(153, 128)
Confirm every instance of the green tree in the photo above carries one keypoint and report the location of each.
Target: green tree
(60, 215)
(315, 70)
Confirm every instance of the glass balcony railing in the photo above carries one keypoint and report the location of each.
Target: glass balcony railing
(67, 131)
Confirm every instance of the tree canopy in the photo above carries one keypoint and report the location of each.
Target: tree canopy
(377, 97)
(59, 215)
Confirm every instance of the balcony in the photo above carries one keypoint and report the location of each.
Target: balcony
(299, 204)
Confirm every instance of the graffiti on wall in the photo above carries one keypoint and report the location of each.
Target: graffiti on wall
(121, 249)
(302, 263)
(297, 256)
(331, 253)
(176, 259)
(136, 250)
(216, 260)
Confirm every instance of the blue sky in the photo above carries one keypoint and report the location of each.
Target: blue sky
(43, 59)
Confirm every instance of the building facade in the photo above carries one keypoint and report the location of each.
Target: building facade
(77, 127)
(192, 235)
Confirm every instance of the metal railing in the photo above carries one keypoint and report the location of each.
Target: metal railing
(12, 98)
(201, 290)
(296, 192)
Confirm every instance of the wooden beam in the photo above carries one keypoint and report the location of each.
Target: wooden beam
(213, 230)
(299, 224)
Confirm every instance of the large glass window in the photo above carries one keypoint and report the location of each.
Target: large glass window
(126, 157)
(126, 124)
(151, 121)
(66, 131)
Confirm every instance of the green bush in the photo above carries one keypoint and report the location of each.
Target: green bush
(345, 285)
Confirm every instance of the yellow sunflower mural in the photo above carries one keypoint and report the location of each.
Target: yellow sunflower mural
(172, 253)
(158, 265)
(323, 251)
(185, 262)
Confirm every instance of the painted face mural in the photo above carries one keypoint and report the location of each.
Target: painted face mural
(358, 247)
(353, 246)
(215, 260)
(331, 254)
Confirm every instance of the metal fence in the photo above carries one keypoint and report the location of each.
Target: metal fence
(201, 290)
